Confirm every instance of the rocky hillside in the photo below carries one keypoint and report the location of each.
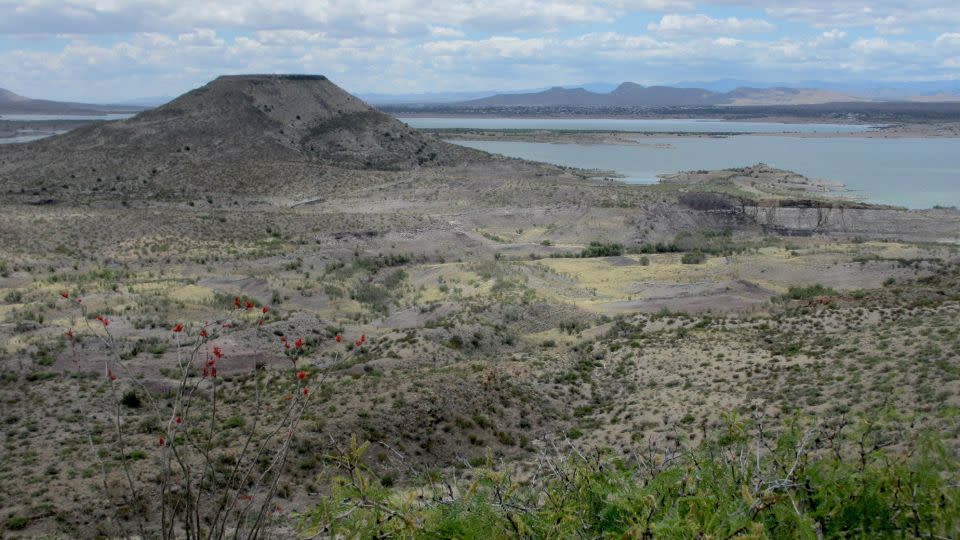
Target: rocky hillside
(235, 134)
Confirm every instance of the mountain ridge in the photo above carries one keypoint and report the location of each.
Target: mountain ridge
(13, 103)
(629, 94)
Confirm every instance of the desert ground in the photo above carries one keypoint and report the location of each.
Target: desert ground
(480, 309)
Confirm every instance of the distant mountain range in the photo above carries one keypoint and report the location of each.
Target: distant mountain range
(11, 103)
(630, 94)
(599, 94)
(690, 93)
(882, 90)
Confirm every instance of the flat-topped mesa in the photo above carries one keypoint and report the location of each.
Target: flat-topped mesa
(240, 122)
(282, 116)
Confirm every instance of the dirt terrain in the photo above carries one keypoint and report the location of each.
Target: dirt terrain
(501, 304)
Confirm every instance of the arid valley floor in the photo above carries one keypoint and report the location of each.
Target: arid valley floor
(506, 307)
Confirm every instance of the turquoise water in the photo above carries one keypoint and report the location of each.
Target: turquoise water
(916, 173)
(658, 126)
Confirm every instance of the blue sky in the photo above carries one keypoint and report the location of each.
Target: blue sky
(112, 50)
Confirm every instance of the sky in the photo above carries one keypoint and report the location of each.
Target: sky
(114, 50)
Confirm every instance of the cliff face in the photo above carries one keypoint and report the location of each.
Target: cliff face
(805, 218)
(932, 225)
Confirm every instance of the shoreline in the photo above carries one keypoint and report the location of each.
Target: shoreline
(771, 119)
(630, 138)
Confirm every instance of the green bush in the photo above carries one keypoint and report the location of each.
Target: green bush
(598, 249)
(798, 488)
(17, 523)
(812, 291)
(131, 399)
(694, 257)
(372, 295)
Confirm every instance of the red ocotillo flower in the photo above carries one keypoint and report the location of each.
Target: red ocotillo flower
(213, 371)
(265, 310)
(306, 390)
(299, 344)
(65, 294)
(70, 335)
(104, 320)
(177, 328)
(162, 441)
(339, 338)
(236, 302)
(301, 375)
(358, 343)
(260, 322)
(110, 375)
(179, 420)
(218, 352)
(249, 305)
(363, 338)
(204, 334)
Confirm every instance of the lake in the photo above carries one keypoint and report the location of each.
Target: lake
(620, 124)
(916, 173)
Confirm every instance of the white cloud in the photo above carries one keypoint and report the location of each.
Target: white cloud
(949, 40)
(884, 16)
(393, 17)
(114, 49)
(700, 24)
(445, 32)
(830, 38)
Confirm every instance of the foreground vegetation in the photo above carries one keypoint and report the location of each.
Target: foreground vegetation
(827, 481)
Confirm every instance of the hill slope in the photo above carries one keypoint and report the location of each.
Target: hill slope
(245, 133)
(11, 103)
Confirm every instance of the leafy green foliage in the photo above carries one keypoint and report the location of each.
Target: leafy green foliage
(804, 484)
(599, 249)
(806, 293)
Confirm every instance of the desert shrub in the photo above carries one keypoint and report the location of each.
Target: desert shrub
(659, 247)
(573, 326)
(182, 477)
(694, 257)
(16, 523)
(131, 400)
(811, 291)
(599, 249)
(372, 295)
(395, 279)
